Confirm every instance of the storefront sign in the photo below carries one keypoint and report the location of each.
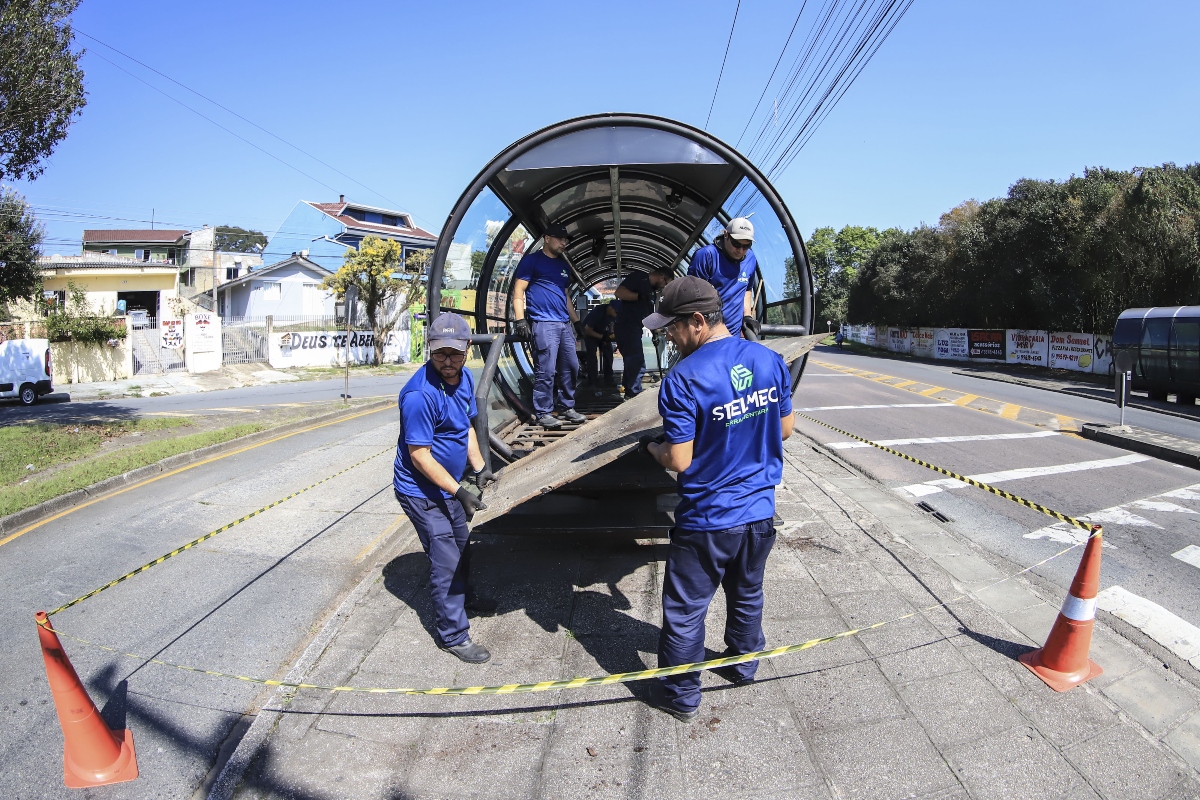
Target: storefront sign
(1027, 347)
(172, 334)
(1071, 351)
(986, 345)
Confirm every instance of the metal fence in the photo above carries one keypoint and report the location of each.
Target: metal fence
(243, 341)
(150, 357)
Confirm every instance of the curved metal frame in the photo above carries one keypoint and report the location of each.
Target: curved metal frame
(533, 140)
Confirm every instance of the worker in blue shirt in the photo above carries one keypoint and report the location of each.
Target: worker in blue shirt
(597, 342)
(436, 443)
(636, 294)
(543, 311)
(726, 409)
(728, 263)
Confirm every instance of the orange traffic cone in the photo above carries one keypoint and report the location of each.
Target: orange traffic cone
(1063, 661)
(93, 755)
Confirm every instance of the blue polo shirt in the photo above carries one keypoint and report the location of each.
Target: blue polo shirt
(632, 312)
(433, 413)
(546, 295)
(730, 278)
(727, 398)
(598, 320)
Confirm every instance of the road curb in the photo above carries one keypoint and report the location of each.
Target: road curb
(54, 505)
(1072, 392)
(1141, 444)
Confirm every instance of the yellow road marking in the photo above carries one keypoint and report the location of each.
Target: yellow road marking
(902, 384)
(966, 399)
(109, 495)
(1066, 423)
(1010, 411)
(932, 391)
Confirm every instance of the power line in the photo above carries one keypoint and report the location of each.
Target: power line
(771, 77)
(239, 116)
(728, 42)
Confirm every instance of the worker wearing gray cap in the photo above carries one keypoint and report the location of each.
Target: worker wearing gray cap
(728, 263)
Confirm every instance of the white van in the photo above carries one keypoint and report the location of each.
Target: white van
(25, 369)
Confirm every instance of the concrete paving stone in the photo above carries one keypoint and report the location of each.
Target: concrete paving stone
(1017, 763)
(1005, 597)
(900, 636)
(1122, 763)
(1034, 622)
(788, 599)
(599, 610)
(1154, 697)
(1188, 790)
(587, 776)
(1066, 718)
(839, 576)
(930, 660)
(323, 764)
(842, 696)
(1116, 656)
(1185, 740)
(893, 758)
(869, 607)
(959, 707)
(478, 758)
(745, 743)
(836, 653)
(996, 658)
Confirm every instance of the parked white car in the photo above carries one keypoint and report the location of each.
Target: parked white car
(25, 369)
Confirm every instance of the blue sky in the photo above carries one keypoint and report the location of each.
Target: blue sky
(412, 100)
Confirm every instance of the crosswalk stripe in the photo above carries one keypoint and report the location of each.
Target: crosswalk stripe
(1189, 555)
(931, 391)
(966, 399)
(1172, 632)
(1010, 411)
(933, 487)
(981, 437)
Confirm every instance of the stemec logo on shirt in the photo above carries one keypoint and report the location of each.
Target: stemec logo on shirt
(741, 377)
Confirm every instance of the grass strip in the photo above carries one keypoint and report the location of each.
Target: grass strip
(42, 445)
(16, 497)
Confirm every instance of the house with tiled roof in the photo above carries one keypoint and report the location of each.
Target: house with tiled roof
(322, 232)
(142, 245)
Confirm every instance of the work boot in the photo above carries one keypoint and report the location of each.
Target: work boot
(730, 675)
(481, 606)
(549, 423)
(469, 652)
(658, 701)
(571, 415)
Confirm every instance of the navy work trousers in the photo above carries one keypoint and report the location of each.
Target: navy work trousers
(557, 363)
(442, 528)
(633, 359)
(598, 354)
(697, 563)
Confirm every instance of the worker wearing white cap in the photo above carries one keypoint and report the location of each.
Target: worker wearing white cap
(727, 264)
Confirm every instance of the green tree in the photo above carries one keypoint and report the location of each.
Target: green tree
(20, 238)
(835, 259)
(232, 239)
(41, 84)
(384, 298)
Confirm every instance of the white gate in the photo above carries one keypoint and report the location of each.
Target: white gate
(156, 350)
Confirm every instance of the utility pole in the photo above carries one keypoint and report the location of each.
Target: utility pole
(351, 300)
(214, 257)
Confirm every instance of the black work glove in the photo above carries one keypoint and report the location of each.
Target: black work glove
(521, 328)
(644, 444)
(470, 503)
(753, 325)
(483, 477)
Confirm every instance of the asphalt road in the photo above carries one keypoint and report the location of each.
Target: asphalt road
(244, 602)
(59, 408)
(1019, 439)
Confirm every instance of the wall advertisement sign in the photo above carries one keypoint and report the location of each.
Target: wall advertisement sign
(986, 345)
(328, 348)
(1071, 351)
(203, 351)
(1027, 347)
(869, 337)
(171, 331)
(950, 344)
(1102, 354)
(922, 342)
(898, 340)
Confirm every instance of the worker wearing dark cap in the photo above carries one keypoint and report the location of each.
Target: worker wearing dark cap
(437, 441)
(636, 294)
(544, 311)
(597, 341)
(726, 409)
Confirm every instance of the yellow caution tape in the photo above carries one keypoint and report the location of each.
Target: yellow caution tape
(210, 535)
(1058, 515)
(574, 683)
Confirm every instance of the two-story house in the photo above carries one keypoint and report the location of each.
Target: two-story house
(322, 232)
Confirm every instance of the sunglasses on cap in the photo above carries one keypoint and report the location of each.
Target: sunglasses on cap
(739, 245)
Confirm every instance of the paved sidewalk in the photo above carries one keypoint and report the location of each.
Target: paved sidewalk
(934, 706)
